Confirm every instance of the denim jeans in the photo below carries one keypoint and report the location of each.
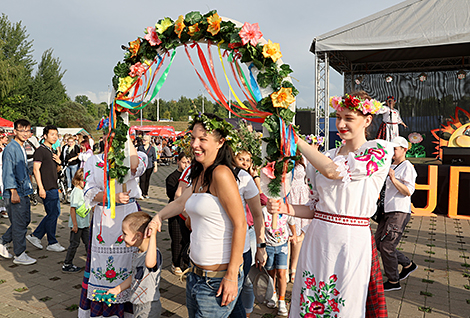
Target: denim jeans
(20, 216)
(246, 298)
(48, 224)
(277, 257)
(201, 300)
(70, 173)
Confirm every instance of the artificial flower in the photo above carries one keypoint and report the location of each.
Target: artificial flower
(250, 33)
(152, 36)
(415, 138)
(214, 24)
(367, 106)
(137, 69)
(283, 97)
(193, 29)
(125, 83)
(134, 47)
(179, 26)
(336, 102)
(272, 50)
(268, 170)
(164, 25)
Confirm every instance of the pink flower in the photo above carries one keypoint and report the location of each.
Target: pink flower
(302, 299)
(333, 304)
(309, 315)
(335, 292)
(377, 153)
(309, 282)
(110, 274)
(250, 33)
(137, 69)
(152, 36)
(269, 170)
(336, 102)
(334, 278)
(321, 285)
(367, 106)
(317, 308)
(371, 167)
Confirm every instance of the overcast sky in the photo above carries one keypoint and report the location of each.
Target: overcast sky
(86, 35)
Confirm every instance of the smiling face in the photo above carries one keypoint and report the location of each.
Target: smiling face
(22, 133)
(243, 160)
(130, 237)
(205, 145)
(351, 124)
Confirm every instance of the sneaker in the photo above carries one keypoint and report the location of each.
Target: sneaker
(176, 270)
(55, 247)
(272, 303)
(405, 272)
(390, 286)
(282, 311)
(70, 268)
(24, 259)
(4, 252)
(146, 197)
(4, 215)
(35, 241)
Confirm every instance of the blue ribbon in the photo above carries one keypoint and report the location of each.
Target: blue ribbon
(254, 85)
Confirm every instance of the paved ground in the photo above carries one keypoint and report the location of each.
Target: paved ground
(439, 288)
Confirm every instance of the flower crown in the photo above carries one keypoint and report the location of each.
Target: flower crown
(366, 106)
(210, 124)
(316, 140)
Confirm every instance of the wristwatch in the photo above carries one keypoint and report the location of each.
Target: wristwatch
(261, 245)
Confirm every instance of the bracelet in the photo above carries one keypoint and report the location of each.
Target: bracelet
(229, 280)
(255, 177)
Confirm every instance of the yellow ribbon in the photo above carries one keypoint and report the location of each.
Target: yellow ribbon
(228, 82)
(112, 197)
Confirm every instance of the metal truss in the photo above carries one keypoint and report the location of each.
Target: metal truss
(322, 81)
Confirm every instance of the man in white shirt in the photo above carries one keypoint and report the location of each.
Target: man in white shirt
(400, 185)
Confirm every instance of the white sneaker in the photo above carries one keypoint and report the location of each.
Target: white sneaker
(35, 241)
(55, 248)
(272, 303)
(24, 259)
(4, 252)
(282, 309)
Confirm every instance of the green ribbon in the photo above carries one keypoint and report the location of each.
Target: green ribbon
(232, 60)
(158, 86)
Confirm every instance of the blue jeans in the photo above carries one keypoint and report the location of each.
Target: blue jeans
(201, 300)
(246, 298)
(48, 224)
(277, 257)
(20, 216)
(70, 173)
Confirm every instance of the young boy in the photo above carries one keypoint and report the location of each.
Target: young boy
(146, 267)
(277, 250)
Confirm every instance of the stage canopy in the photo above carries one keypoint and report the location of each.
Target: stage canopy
(415, 35)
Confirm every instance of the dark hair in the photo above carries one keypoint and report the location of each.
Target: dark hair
(138, 221)
(224, 156)
(364, 95)
(138, 142)
(21, 123)
(48, 128)
(180, 156)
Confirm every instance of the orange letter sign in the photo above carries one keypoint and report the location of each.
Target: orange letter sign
(431, 187)
(454, 192)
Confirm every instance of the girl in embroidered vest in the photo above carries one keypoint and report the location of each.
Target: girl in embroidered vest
(334, 267)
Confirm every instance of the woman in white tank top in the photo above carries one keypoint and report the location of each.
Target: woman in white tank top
(218, 221)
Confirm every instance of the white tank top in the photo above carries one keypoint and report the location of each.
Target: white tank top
(211, 236)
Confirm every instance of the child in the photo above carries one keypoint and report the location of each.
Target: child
(79, 222)
(277, 250)
(146, 266)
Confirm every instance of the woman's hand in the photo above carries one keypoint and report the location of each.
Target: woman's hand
(123, 197)
(229, 289)
(154, 226)
(277, 206)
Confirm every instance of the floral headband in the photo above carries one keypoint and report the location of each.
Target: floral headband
(366, 106)
(211, 124)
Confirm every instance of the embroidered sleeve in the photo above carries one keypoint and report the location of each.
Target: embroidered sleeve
(374, 161)
(92, 187)
(343, 169)
(143, 163)
(310, 174)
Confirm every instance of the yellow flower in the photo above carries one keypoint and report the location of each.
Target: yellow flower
(164, 25)
(272, 50)
(179, 26)
(193, 29)
(214, 24)
(283, 97)
(125, 83)
(134, 47)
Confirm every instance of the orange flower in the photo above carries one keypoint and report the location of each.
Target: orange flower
(193, 29)
(134, 47)
(282, 98)
(179, 26)
(214, 24)
(272, 50)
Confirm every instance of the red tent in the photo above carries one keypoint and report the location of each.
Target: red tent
(164, 132)
(6, 123)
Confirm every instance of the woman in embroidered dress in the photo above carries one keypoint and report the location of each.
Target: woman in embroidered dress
(217, 219)
(334, 266)
(388, 130)
(108, 259)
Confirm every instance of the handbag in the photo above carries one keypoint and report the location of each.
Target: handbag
(82, 211)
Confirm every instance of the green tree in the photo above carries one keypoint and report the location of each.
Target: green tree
(74, 115)
(88, 104)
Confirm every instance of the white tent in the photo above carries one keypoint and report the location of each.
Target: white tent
(73, 131)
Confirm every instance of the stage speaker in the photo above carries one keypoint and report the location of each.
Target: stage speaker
(456, 156)
(306, 120)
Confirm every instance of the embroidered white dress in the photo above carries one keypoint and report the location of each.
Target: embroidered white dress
(111, 260)
(335, 260)
(299, 194)
(392, 118)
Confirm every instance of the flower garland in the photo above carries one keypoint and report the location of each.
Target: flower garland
(250, 141)
(366, 106)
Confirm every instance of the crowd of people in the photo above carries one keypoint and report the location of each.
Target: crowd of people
(319, 238)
